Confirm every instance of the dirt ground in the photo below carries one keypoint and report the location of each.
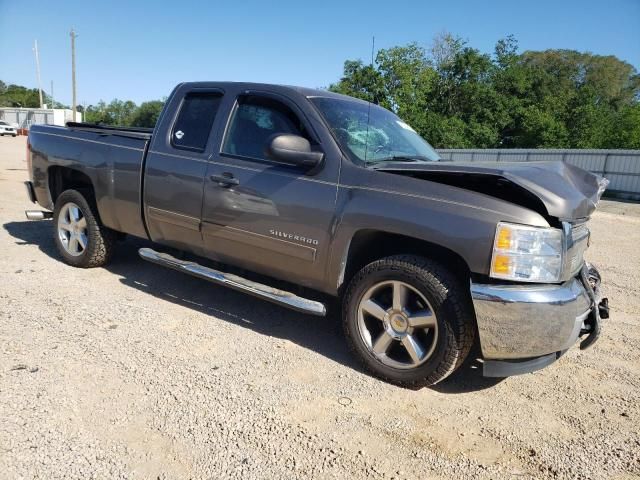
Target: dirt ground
(135, 371)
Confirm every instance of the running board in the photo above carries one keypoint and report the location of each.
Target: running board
(280, 297)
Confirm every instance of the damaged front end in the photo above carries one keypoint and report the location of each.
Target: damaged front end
(553, 189)
(524, 328)
(527, 320)
(599, 306)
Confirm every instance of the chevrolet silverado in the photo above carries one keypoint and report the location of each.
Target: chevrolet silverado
(336, 196)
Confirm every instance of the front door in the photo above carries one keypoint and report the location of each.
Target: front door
(264, 215)
(175, 170)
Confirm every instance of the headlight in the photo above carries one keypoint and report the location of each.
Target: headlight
(527, 254)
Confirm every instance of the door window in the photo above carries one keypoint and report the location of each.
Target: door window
(192, 128)
(254, 122)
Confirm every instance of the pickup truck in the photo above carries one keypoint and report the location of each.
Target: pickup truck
(340, 198)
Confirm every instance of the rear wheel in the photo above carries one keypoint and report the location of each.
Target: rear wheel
(408, 320)
(81, 239)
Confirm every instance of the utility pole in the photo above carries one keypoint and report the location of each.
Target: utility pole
(53, 105)
(73, 73)
(35, 49)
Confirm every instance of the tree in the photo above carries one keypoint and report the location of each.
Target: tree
(407, 79)
(98, 114)
(361, 81)
(456, 96)
(146, 114)
(18, 96)
(117, 112)
(626, 129)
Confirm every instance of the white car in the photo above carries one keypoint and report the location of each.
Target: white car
(6, 129)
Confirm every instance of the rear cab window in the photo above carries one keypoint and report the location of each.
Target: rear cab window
(194, 122)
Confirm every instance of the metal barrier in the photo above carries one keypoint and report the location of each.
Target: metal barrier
(620, 167)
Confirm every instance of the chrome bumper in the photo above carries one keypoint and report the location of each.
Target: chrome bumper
(521, 323)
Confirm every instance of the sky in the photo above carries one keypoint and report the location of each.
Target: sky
(140, 50)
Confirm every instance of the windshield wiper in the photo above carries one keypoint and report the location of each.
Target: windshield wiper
(401, 158)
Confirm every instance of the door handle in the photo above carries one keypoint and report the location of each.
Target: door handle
(225, 180)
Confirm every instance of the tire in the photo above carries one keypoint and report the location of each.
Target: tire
(13, 136)
(437, 314)
(83, 244)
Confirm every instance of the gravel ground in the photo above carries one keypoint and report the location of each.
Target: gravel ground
(135, 371)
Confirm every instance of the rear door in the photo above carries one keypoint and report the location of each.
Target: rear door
(176, 165)
(263, 215)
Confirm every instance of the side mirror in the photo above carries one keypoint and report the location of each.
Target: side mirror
(293, 150)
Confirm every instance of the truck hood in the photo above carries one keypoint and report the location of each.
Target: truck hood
(561, 190)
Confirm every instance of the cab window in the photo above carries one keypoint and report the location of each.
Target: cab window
(254, 121)
(194, 122)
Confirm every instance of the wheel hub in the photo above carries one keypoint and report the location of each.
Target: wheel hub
(396, 323)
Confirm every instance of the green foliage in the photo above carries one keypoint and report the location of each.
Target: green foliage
(626, 128)
(458, 97)
(124, 113)
(362, 81)
(18, 96)
(146, 114)
(117, 112)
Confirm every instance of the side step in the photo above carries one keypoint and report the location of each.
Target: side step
(280, 297)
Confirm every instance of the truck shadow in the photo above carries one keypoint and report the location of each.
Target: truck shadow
(320, 334)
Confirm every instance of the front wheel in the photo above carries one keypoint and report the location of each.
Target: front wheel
(80, 237)
(408, 320)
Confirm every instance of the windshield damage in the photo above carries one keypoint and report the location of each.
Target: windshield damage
(371, 135)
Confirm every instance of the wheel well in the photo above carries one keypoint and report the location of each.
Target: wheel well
(62, 178)
(370, 245)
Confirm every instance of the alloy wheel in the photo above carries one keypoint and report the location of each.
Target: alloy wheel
(72, 229)
(397, 324)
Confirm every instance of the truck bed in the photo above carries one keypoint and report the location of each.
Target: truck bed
(132, 132)
(112, 158)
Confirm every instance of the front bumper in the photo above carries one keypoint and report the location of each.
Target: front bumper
(523, 328)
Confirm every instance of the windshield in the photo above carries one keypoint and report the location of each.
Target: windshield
(383, 138)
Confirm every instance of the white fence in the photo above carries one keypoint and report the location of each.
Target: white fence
(620, 167)
(25, 117)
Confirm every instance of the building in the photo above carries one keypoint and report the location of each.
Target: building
(25, 117)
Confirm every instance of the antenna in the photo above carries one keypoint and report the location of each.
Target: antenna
(366, 141)
(373, 49)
